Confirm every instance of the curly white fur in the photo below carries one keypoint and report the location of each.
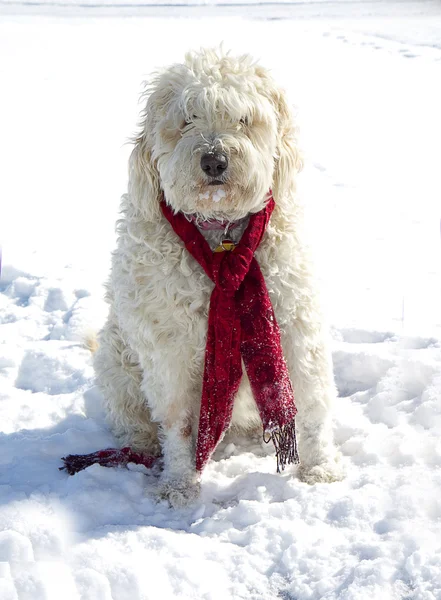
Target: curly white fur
(151, 351)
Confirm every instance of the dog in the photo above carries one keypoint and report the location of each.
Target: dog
(217, 133)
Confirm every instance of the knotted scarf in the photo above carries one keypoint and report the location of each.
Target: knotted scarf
(241, 326)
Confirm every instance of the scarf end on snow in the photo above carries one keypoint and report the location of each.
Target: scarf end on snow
(283, 438)
(285, 442)
(111, 457)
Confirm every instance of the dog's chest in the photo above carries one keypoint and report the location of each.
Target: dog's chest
(172, 290)
(165, 300)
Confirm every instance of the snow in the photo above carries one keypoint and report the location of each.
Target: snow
(218, 195)
(368, 97)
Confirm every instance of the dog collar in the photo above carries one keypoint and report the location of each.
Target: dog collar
(214, 224)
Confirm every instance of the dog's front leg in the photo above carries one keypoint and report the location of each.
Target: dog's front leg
(171, 408)
(179, 481)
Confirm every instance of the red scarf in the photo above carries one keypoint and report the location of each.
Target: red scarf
(241, 326)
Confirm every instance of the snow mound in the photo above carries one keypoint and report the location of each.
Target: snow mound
(54, 370)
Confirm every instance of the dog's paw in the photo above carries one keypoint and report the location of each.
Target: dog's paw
(327, 472)
(179, 493)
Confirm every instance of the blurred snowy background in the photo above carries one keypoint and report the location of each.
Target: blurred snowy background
(366, 79)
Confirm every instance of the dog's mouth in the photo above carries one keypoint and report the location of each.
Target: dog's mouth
(216, 182)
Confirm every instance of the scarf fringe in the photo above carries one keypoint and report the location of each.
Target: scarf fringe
(111, 457)
(285, 442)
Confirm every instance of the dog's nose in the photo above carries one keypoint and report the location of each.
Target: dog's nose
(214, 163)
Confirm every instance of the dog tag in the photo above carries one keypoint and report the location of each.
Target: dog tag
(225, 246)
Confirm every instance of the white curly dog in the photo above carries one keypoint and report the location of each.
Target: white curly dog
(217, 134)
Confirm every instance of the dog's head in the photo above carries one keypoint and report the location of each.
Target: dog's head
(216, 135)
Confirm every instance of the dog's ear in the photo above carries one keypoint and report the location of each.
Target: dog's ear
(144, 182)
(288, 160)
(144, 189)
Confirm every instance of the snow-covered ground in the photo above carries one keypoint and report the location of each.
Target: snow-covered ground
(368, 95)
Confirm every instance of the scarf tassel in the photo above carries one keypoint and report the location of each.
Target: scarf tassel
(285, 442)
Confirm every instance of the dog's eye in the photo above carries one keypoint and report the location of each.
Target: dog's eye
(244, 121)
(188, 121)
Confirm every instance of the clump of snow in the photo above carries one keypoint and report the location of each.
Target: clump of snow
(215, 196)
(15, 546)
(218, 195)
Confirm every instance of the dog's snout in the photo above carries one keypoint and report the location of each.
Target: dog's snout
(214, 163)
